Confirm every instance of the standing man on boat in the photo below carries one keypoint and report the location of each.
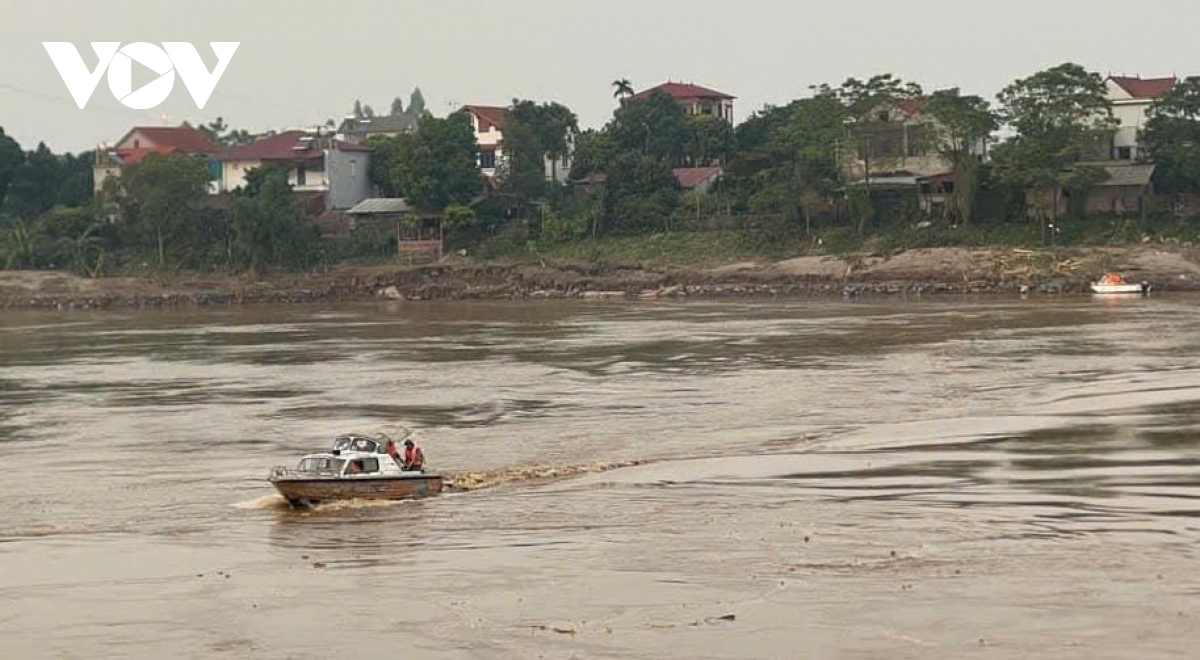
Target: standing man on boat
(394, 452)
(414, 458)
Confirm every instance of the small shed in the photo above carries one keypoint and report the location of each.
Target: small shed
(418, 231)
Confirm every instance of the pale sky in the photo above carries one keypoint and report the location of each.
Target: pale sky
(302, 62)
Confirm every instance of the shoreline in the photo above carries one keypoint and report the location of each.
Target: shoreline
(933, 271)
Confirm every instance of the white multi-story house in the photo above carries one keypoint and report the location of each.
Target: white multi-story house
(315, 164)
(488, 122)
(1131, 99)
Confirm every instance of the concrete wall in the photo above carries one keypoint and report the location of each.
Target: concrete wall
(347, 175)
(233, 175)
(1132, 115)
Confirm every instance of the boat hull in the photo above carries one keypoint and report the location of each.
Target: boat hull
(1118, 288)
(307, 492)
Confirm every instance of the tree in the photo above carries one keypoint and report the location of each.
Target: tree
(416, 104)
(523, 170)
(622, 89)
(11, 158)
(594, 150)
(1172, 137)
(712, 140)
(808, 138)
(368, 111)
(388, 155)
(442, 168)
(35, 184)
(220, 133)
(83, 253)
(553, 125)
(157, 195)
(655, 126)
(963, 124)
(868, 107)
(75, 182)
(1061, 116)
(358, 109)
(267, 228)
(397, 107)
(641, 193)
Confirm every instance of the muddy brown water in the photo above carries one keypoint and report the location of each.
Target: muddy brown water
(945, 478)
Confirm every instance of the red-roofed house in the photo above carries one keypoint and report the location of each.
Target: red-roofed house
(1131, 98)
(699, 179)
(141, 141)
(488, 121)
(696, 100)
(315, 163)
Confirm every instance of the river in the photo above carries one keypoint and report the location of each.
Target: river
(940, 478)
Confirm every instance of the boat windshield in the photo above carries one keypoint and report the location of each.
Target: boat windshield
(332, 466)
(357, 443)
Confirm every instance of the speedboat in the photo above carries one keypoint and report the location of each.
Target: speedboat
(356, 467)
(1116, 283)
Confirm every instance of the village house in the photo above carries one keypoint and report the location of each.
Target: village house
(1128, 189)
(901, 143)
(316, 165)
(900, 149)
(696, 100)
(698, 179)
(141, 141)
(488, 122)
(356, 130)
(1131, 98)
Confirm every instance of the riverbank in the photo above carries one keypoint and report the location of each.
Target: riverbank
(922, 271)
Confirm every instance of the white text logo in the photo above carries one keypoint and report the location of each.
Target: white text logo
(174, 56)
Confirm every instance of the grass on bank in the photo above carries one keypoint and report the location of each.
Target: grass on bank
(715, 248)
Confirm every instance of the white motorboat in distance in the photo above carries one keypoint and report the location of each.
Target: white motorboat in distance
(1116, 283)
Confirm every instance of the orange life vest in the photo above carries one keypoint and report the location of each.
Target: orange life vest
(413, 457)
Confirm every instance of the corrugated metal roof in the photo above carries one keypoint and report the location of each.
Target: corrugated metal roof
(1128, 175)
(690, 177)
(381, 205)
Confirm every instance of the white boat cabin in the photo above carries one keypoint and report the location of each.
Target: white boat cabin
(352, 457)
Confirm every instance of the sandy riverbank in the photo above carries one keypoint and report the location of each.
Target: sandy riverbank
(936, 270)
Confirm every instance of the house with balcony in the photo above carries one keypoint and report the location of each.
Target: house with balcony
(141, 141)
(694, 99)
(317, 166)
(901, 148)
(356, 130)
(488, 122)
(1131, 98)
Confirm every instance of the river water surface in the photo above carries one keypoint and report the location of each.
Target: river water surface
(948, 478)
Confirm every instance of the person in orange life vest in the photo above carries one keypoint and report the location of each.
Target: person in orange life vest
(414, 458)
(394, 452)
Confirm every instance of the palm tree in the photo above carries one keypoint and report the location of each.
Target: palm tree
(84, 253)
(622, 88)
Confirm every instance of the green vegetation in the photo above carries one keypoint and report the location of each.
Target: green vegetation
(828, 173)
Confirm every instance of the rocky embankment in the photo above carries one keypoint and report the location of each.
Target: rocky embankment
(933, 271)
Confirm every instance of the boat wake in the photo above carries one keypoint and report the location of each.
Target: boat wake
(266, 502)
(460, 482)
(470, 481)
(278, 503)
